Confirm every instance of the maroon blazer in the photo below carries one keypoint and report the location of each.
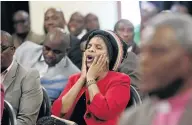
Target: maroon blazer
(106, 105)
(2, 100)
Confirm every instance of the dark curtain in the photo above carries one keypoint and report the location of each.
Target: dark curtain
(8, 8)
(166, 5)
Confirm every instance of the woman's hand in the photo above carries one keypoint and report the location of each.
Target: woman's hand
(97, 67)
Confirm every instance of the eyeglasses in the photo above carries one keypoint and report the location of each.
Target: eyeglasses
(19, 21)
(3, 48)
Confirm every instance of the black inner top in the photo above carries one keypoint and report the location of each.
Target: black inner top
(79, 111)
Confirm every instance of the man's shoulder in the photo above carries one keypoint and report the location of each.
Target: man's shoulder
(37, 38)
(28, 49)
(71, 65)
(134, 115)
(23, 71)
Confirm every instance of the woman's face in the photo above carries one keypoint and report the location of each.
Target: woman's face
(96, 47)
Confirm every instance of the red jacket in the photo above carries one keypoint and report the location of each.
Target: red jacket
(106, 105)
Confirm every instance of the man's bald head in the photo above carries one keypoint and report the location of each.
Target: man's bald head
(21, 22)
(179, 8)
(7, 50)
(6, 39)
(76, 23)
(56, 45)
(58, 36)
(166, 56)
(53, 18)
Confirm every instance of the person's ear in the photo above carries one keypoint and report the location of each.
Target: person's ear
(12, 49)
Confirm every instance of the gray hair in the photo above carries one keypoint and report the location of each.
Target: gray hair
(180, 23)
(8, 36)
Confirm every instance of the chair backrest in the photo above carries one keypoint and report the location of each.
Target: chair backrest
(135, 97)
(9, 117)
(45, 109)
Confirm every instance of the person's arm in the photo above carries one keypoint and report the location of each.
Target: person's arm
(67, 97)
(130, 66)
(113, 102)
(31, 99)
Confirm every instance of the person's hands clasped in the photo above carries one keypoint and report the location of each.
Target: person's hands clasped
(98, 66)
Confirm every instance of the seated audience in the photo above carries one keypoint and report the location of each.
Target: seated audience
(23, 30)
(55, 18)
(22, 86)
(129, 65)
(99, 94)
(91, 22)
(125, 29)
(76, 25)
(50, 60)
(148, 10)
(166, 58)
(179, 8)
(2, 101)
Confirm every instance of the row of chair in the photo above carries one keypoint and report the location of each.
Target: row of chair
(9, 117)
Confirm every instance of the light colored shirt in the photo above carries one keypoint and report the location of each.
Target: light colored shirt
(82, 34)
(169, 112)
(53, 79)
(3, 74)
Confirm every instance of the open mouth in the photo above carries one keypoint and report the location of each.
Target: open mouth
(90, 58)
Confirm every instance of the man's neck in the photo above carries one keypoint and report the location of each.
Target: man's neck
(187, 87)
(22, 35)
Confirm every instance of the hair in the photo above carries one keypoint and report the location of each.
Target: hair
(180, 23)
(77, 13)
(22, 11)
(8, 36)
(86, 36)
(90, 14)
(122, 21)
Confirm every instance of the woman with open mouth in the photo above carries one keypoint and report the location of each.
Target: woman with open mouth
(98, 95)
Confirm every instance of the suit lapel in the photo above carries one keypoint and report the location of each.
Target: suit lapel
(187, 116)
(10, 76)
(148, 113)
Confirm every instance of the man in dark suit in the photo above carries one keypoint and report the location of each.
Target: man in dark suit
(55, 18)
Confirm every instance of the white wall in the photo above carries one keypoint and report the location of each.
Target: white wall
(105, 10)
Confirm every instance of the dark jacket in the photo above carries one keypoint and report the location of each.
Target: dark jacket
(75, 53)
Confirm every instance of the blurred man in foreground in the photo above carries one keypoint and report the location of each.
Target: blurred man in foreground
(166, 64)
(22, 86)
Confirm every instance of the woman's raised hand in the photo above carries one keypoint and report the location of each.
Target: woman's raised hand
(97, 67)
